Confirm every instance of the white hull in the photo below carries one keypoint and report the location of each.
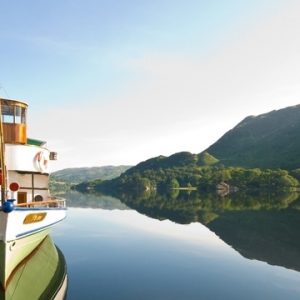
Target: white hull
(13, 225)
(19, 240)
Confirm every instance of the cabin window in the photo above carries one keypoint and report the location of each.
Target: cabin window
(13, 114)
(8, 114)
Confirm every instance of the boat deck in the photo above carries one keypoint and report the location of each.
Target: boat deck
(51, 202)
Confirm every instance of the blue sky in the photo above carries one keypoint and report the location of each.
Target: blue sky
(53, 46)
(128, 80)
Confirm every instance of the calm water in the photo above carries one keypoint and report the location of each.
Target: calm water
(114, 252)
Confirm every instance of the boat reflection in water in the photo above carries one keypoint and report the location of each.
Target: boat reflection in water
(41, 275)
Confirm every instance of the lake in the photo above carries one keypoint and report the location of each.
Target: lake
(117, 252)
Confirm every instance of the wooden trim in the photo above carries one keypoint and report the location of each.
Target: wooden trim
(21, 197)
(15, 133)
(12, 102)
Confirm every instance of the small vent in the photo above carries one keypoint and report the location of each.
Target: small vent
(53, 155)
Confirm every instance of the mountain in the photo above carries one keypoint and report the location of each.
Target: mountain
(261, 152)
(77, 175)
(270, 140)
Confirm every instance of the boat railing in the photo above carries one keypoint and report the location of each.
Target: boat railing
(49, 203)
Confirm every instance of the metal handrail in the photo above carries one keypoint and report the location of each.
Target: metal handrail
(48, 203)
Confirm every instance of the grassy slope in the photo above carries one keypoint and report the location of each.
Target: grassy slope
(266, 141)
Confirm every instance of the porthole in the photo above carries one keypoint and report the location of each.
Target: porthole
(38, 198)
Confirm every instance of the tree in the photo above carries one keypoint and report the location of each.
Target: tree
(172, 184)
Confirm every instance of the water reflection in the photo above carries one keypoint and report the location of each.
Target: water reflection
(76, 199)
(258, 226)
(185, 207)
(41, 275)
(123, 254)
(270, 236)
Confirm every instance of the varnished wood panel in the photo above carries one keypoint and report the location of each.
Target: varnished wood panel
(14, 133)
(22, 197)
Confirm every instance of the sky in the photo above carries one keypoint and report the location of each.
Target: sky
(115, 82)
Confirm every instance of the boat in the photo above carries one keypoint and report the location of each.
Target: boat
(37, 279)
(27, 209)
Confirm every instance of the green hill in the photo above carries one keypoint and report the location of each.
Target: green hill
(77, 175)
(177, 160)
(270, 140)
(261, 152)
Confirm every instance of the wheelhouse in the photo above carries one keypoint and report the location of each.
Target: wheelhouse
(13, 114)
